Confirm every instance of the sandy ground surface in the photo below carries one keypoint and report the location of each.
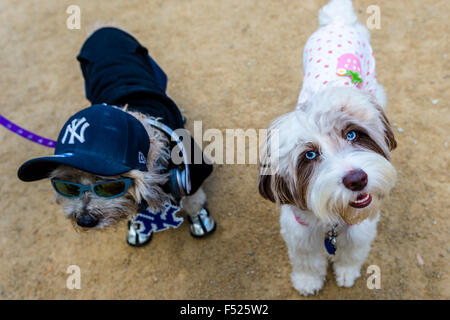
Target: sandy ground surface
(232, 64)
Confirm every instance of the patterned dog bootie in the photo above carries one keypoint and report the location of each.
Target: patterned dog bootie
(202, 224)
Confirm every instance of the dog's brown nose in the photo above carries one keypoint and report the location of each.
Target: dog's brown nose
(355, 180)
(86, 221)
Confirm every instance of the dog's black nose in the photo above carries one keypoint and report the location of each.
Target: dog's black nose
(355, 180)
(86, 221)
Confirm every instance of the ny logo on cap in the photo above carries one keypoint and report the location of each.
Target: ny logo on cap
(72, 129)
(141, 158)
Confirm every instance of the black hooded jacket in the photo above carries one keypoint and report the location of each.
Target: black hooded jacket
(118, 70)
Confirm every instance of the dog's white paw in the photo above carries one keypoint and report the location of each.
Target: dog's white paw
(346, 276)
(307, 284)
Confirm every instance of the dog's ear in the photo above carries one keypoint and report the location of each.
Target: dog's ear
(275, 188)
(274, 185)
(147, 187)
(265, 187)
(388, 132)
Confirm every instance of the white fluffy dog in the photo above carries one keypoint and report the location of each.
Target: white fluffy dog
(332, 167)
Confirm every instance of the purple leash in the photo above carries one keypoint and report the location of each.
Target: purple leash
(26, 134)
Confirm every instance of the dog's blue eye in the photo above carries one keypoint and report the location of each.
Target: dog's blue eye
(351, 135)
(310, 155)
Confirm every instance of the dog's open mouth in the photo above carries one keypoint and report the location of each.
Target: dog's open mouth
(362, 201)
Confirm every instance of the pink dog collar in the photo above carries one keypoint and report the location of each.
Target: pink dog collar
(304, 223)
(298, 219)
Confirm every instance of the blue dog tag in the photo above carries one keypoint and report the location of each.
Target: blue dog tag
(331, 248)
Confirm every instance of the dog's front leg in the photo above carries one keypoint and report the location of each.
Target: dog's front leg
(202, 223)
(309, 263)
(353, 247)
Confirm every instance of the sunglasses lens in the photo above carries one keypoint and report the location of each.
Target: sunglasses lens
(110, 189)
(67, 189)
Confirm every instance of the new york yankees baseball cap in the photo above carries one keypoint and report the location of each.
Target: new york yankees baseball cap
(100, 139)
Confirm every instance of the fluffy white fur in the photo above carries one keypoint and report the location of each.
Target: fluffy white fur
(313, 190)
(306, 251)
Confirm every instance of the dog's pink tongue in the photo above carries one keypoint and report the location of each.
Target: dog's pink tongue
(361, 196)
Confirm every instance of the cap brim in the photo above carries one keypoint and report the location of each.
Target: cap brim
(40, 168)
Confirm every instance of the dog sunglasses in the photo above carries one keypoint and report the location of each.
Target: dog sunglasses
(107, 189)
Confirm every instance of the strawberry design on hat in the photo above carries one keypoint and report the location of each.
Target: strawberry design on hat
(349, 66)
